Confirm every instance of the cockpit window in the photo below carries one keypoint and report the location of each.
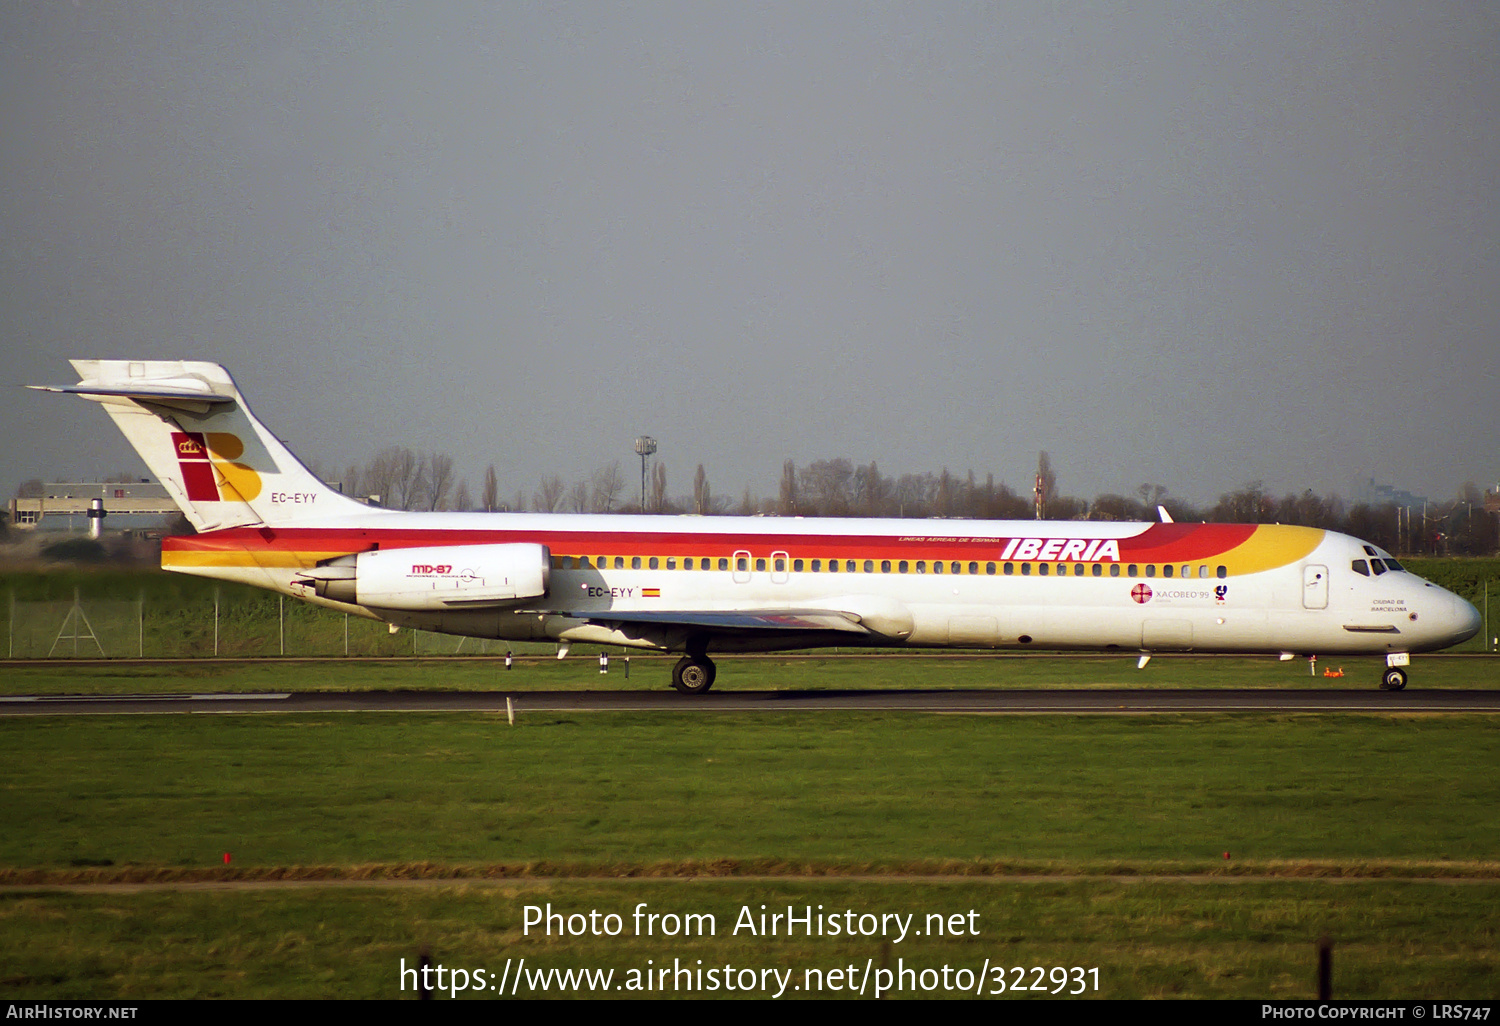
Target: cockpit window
(1377, 566)
(1370, 550)
(1360, 567)
(1393, 564)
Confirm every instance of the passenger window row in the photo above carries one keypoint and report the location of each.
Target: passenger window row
(743, 564)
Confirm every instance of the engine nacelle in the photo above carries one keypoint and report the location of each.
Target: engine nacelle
(435, 577)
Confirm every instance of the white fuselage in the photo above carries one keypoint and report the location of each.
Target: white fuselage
(652, 582)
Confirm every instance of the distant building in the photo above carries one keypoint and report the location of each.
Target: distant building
(1386, 495)
(65, 505)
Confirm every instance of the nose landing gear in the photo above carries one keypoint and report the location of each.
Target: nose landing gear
(1393, 680)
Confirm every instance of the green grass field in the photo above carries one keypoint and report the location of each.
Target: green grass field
(606, 791)
(1146, 939)
(1323, 818)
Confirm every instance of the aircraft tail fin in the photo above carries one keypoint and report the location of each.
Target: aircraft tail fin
(190, 424)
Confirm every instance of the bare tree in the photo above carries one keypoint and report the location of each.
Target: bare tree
(942, 502)
(463, 502)
(1151, 496)
(1376, 524)
(381, 473)
(405, 476)
(1005, 504)
(1249, 505)
(548, 494)
(608, 483)
(1477, 535)
(830, 485)
(968, 497)
(439, 481)
(1046, 484)
(702, 500)
(578, 497)
(1066, 507)
(411, 479)
(1114, 507)
(658, 487)
(352, 481)
(871, 491)
(489, 501)
(787, 504)
(914, 494)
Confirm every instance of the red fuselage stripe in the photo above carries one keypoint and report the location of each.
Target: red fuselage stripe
(1159, 543)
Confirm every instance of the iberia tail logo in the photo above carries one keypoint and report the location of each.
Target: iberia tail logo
(208, 468)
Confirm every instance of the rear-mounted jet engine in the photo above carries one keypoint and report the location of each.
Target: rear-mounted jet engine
(434, 578)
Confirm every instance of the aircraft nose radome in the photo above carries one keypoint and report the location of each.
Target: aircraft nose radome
(1465, 620)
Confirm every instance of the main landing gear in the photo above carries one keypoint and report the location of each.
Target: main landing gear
(1393, 680)
(693, 675)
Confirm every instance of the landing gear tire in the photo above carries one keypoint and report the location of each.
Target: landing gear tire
(693, 676)
(1394, 679)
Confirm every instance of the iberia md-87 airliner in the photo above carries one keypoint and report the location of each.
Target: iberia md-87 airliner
(711, 585)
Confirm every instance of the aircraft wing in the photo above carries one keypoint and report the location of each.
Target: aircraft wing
(727, 620)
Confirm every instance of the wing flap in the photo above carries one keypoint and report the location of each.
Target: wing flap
(725, 620)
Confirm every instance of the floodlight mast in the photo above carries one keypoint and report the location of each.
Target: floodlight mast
(645, 445)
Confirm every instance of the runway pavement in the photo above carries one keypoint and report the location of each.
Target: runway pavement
(1106, 701)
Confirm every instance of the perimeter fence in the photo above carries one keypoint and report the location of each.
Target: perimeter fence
(222, 622)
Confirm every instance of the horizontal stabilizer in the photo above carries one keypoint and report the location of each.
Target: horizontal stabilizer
(196, 398)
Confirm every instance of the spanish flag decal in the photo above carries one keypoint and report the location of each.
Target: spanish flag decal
(650, 593)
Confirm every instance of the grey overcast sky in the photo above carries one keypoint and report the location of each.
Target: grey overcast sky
(1193, 244)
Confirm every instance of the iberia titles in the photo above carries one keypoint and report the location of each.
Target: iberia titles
(1066, 550)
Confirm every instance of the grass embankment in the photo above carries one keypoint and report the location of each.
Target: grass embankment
(373, 795)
